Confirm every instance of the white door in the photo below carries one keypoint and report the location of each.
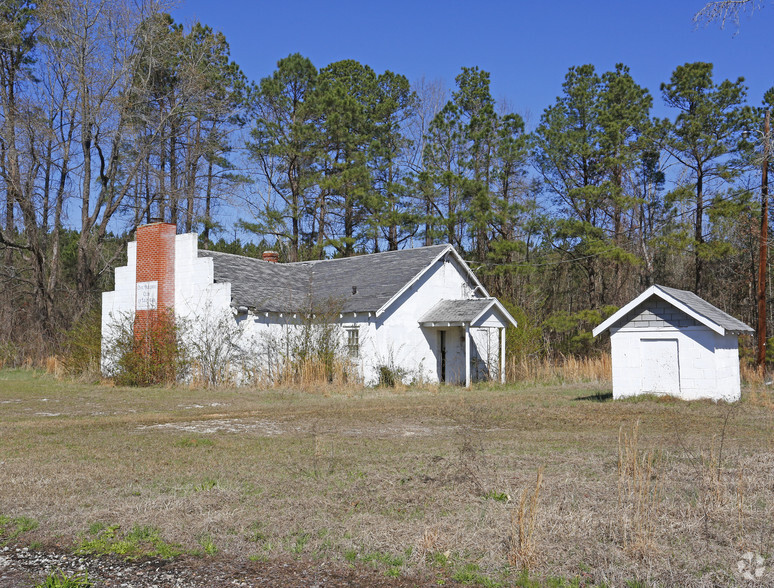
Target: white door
(660, 366)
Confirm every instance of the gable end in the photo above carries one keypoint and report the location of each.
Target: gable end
(655, 313)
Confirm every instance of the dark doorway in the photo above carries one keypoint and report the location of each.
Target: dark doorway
(442, 346)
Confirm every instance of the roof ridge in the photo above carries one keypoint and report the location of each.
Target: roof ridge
(316, 261)
(359, 255)
(200, 250)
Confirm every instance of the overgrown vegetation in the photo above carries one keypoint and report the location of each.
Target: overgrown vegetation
(146, 353)
(310, 348)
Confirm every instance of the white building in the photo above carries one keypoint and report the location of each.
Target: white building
(669, 341)
(421, 310)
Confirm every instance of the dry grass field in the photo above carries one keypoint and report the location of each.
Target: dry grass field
(471, 485)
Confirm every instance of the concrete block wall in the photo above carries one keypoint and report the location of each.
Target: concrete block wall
(196, 293)
(708, 362)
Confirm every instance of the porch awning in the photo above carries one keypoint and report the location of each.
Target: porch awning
(474, 312)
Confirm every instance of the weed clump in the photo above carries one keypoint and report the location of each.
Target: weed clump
(59, 579)
(522, 551)
(153, 354)
(140, 541)
(12, 528)
(639, 491)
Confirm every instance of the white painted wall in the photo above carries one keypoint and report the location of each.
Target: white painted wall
(195, 292)
(118, 305)
(708, 363)
(197, 298)
(399, 335)
(394, 338)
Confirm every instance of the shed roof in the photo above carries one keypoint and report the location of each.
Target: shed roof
(456, 311)
(691, 304)
(366, 283)
(464, 311)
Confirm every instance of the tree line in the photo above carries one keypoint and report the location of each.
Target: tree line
(112, 115)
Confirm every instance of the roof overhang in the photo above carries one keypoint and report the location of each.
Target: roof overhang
(656, 291)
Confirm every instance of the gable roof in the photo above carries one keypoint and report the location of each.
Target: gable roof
(691, 304)
(464, 311)
(379, 278)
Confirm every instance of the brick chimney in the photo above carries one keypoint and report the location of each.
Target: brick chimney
(271, 256)
(155, 273)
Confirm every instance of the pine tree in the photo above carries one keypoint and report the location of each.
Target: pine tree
(704, 138)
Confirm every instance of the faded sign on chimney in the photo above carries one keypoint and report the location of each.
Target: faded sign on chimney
(147, 295)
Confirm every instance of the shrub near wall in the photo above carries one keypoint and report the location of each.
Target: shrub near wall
(151, 354)
(82, 345)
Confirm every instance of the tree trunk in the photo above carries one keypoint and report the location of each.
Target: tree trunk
(698, 234)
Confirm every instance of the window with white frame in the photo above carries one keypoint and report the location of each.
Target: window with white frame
(353, 342)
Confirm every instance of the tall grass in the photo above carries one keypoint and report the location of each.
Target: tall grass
(639, 491)
(337, 370)
(522, 550)
(563, 369)
(311, 373)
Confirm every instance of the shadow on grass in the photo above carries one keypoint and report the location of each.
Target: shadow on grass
(598, 397)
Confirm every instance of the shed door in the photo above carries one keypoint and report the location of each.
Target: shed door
(660, 366)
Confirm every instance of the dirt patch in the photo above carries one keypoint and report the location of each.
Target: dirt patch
(258, 427)
(268, 428)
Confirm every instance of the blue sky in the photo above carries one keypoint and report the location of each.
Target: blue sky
(526, 46)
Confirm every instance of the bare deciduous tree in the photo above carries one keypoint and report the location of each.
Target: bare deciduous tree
(723, 11)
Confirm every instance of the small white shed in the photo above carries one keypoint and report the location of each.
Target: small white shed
(669, 341)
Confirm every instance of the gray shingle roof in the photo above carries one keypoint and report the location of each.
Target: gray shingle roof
(707, 310)
(293, 287)
(699, 309)
(456, 311)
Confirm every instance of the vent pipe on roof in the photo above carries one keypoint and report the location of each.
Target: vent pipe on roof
(271, 256)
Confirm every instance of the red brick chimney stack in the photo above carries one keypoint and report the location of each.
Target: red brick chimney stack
(155, 272)
(271, 256)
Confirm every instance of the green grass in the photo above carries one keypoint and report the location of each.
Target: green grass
(140, 541)
(208, 545)
(498, 496)
(195, 442)
(205, 485)
(59, 579)
(471, 574)
(12, 528)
